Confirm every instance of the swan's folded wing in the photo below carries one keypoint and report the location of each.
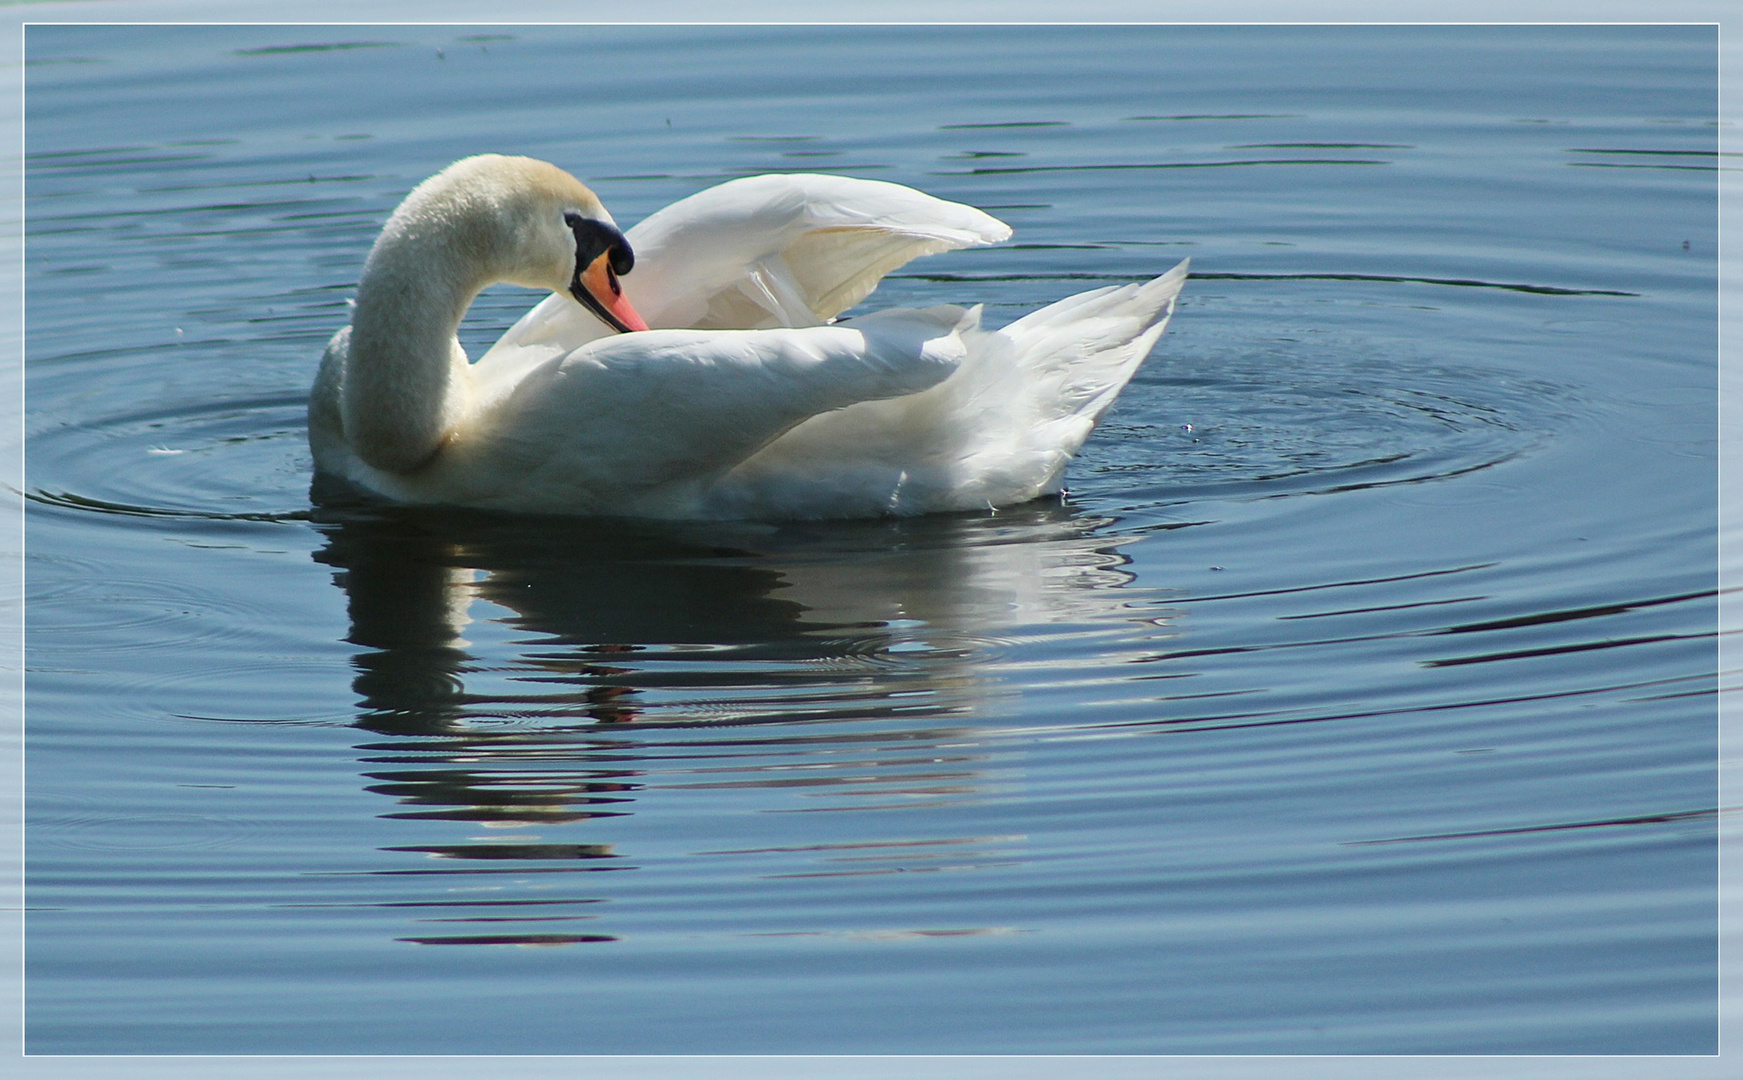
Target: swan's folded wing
(642, 424)
(763, 252)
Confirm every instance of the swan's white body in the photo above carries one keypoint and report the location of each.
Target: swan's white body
(743, 401)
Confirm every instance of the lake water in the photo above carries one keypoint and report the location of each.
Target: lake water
(1359, 698)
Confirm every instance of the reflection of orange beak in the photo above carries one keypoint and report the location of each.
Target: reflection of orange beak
(600, 291)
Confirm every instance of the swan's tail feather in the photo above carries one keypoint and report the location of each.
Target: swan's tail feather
(1084, 349)
(1070, 360)
(999, 431)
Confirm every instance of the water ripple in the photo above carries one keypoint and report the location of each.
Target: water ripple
(989, 170)
(1211, 275)
(1677, 817)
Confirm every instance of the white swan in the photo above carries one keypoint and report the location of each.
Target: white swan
(746, 400)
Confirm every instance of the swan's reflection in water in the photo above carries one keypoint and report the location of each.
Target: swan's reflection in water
(550, 673)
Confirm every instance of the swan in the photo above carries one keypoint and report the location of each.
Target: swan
(694, 366)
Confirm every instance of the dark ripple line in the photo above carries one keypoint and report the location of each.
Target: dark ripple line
(1383, 608)
(1335, 584)
(228, 184)
(1390, 279)
(735, 173)
(512, 851)
(1189, 493)
(758, 170)
(1554, 650)
(1464, 283)
(1364, 485)
(513, 919)
(45, 155)
(1211, 723)
(298, 400)
(1575, 613)
(921, 737)
(1221, 116)
(444, 903)
(1654, 153)
(1644, 819)
(108, 164)
(697, 766)
(1520, 654)
(1323, 146)
(540, 814)
(883, 870)
(333, 46)
(858, 782)
(989, 170)
(68, 501)
(755, 714)
(512, 939)
(868, 844)
(210, 208)
(1676, 696)
(588, 869)
(141, 349)
(1624, 165)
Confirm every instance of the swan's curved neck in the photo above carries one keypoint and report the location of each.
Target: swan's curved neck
(407, 381)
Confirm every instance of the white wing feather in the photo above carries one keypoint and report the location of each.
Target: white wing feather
(790, 250)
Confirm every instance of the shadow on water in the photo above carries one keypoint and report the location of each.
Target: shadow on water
(540, 671)
(605, 613)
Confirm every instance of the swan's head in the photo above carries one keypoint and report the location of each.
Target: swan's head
(601, 254)
(529, 223)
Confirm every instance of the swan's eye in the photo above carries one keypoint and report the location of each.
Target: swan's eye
(594, 238)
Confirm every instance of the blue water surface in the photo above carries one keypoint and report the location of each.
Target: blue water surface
(1359, 697)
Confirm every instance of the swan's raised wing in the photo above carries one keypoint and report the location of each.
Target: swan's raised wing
(788, 250)
(785, 250)
(644, 424)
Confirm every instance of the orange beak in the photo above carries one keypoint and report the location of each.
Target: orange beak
(599, 290)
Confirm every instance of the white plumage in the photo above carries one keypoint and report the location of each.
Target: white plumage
(744, 400)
